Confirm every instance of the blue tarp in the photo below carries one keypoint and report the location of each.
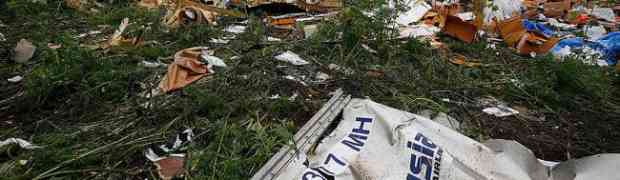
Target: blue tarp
(608, 45)
(537, 27)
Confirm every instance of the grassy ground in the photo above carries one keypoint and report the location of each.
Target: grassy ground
(84, 106)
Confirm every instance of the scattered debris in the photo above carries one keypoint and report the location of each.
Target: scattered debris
(500, 111)
(185, 69)
(360, 147)
(219, 41)
(292, 58)
(15, 79)
(417, 10)
(149, 64)
(24, 51)
(170, 158)
(460, 29)
(236, 29)
(87, 34)
(212, 60)
(22, 143)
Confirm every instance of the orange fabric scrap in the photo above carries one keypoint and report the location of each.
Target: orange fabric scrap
(185, 69)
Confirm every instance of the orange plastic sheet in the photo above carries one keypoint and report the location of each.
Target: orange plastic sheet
(185, 69)
(460, 29)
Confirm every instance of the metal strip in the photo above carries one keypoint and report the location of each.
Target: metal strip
(305, 138)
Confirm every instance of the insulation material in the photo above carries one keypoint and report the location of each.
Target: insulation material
(374, 141)
(185, 69)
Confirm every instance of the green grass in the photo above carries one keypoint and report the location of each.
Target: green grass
(85, 106)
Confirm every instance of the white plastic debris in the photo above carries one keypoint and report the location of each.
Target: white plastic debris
(296, 79)
(374, 141)
(24, 51)
(500, 111)
(555, 23)
(604, 13)
(2, 38)
(219, 41)
(416, 31)
(292, 58)
(273, 39)
(594, 32)
(20, 142)
(87, 34)
(149, 64)
(466, 16)
(15, 79)
(416, 11)
(236, 29)
(212, 60)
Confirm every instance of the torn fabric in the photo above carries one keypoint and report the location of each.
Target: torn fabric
(185, 69)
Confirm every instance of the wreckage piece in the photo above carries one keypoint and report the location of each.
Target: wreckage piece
(305, 139)
(512, 30)
(556, 8)
(533, 43)
(374, 141)
(185, 69)
(307, 5)
(460, 29)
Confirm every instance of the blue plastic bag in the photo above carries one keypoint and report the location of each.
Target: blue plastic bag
(537, 27)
